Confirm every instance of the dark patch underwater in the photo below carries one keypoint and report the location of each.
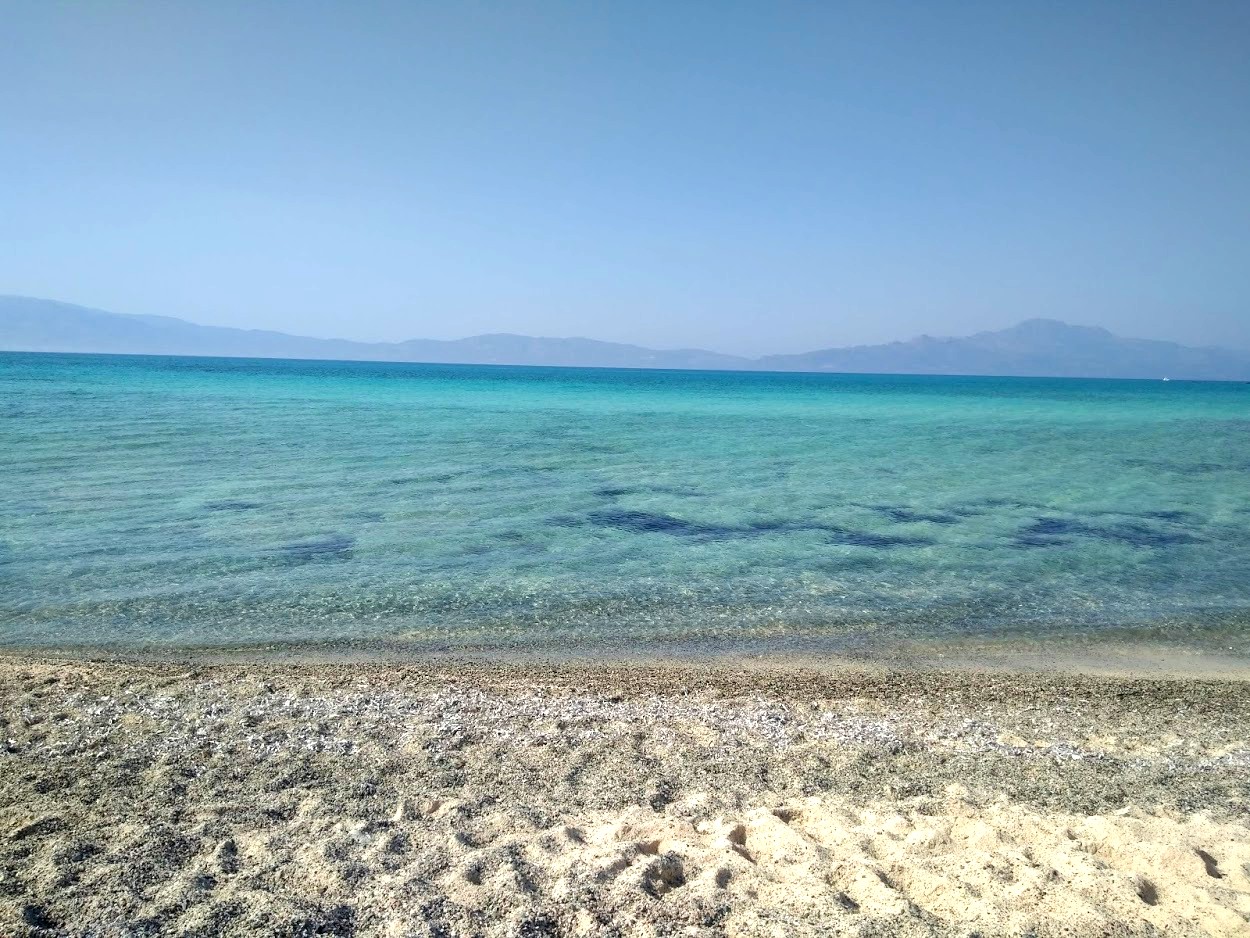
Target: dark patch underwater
(905, 515)
(1052, 532)
(1182, 468)
(614, 491)
(646, 522)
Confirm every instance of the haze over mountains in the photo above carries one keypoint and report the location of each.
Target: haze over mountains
(1036, 347)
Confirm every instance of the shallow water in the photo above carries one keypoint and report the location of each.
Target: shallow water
(175, 501)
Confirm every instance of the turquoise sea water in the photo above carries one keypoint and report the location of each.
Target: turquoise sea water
(177, 501)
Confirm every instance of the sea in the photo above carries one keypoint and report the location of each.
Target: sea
(152, 503)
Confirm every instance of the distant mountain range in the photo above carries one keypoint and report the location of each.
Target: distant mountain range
(1037, 347)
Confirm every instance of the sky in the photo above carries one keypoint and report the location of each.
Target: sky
(746, 177)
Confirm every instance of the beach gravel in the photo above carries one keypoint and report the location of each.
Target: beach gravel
(455, 798)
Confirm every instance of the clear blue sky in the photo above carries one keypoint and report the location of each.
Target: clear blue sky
(748, 177)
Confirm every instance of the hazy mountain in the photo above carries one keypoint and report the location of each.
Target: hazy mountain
(34, 325)
(508, 349)
(1035, 347)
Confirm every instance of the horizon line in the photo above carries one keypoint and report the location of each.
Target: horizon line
(632, 368)
(586, 338)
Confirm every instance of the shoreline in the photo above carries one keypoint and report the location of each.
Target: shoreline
(535, 798)
(1056, 657)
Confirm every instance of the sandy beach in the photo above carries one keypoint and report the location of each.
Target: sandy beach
(454, 799)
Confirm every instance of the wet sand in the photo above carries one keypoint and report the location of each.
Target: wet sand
(446, 798)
